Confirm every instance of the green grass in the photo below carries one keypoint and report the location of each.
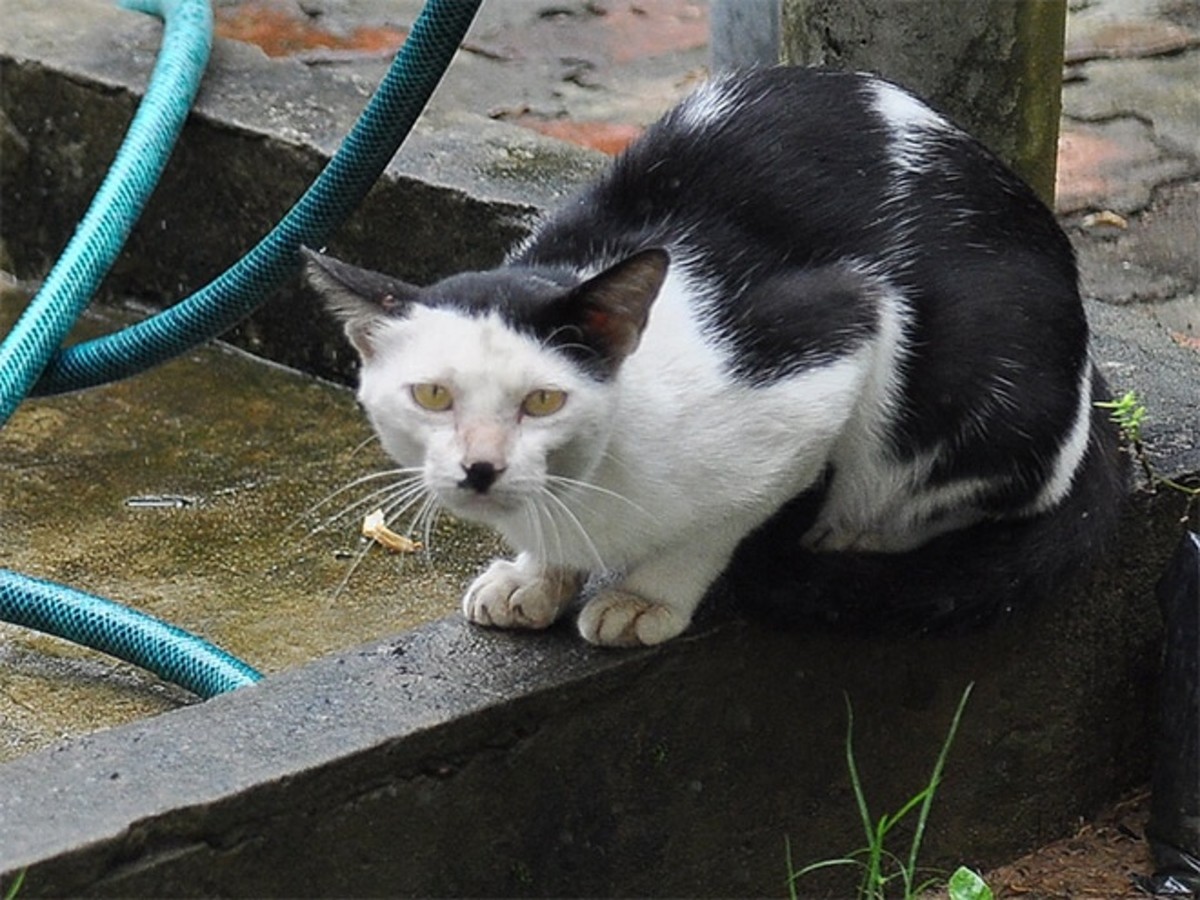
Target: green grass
(13, 889)
(1128, 413)
(882, 870)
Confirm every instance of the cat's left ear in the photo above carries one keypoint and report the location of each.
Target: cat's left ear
(616, 303)
(360, 298)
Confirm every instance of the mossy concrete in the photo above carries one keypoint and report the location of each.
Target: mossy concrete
(454, 761)
(202, 492)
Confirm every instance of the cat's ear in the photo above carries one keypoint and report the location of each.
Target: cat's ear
(616, 303)
(361, 299)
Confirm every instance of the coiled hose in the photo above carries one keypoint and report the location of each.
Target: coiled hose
(337, 191)
(26, 354)
(100, 235)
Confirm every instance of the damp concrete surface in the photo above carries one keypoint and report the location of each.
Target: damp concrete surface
(208, 493)
(565, 769)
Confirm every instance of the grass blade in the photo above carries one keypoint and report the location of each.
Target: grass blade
(936, 778)
(15, 887)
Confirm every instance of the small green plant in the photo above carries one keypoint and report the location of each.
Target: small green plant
(1127, 413)
(13, 889)
(966, 884)
(880, 867)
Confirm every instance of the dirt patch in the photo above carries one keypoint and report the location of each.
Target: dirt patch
(1098, 861)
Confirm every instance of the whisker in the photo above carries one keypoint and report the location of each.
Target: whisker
(363, 445)
(399, 498)
(354, 564)
(389, 494)
(357, 482)
(533, 514)
(363, 479)
(601, 491)
(547, 513)
(573, 519)
(430, 512)
(404, 500)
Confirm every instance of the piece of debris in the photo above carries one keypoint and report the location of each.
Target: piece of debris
(374, 528)
(160, 501)
(1106, 218)
(1192, 342)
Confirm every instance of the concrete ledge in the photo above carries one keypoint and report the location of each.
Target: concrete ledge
(455, 761)
(450, 760)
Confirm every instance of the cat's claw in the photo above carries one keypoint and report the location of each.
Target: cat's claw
(616, 618)
(507, 595)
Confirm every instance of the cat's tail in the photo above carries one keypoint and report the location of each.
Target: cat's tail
(960, 579)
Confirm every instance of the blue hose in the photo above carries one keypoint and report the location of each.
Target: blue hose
(26, 353)
(169, 652)
(337, 191)
(187, 41)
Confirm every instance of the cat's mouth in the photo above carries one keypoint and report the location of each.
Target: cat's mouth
(483, 507)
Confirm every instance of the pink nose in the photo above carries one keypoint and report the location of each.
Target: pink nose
(484, 454)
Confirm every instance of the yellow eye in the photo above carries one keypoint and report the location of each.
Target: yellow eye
(543, 402)
(433, 397)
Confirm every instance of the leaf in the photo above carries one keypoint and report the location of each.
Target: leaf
(374, 528)
(966, 884)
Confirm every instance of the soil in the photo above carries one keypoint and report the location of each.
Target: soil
(1098, 862)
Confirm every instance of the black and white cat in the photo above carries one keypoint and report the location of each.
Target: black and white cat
(799, 283)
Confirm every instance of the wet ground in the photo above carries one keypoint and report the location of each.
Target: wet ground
(188, 492)
(183, 492)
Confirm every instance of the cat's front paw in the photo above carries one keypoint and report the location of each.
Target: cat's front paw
(511, 595)
(616, 618)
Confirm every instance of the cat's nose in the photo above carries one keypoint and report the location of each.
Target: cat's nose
(480, 476)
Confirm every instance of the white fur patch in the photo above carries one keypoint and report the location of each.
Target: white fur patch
(913, 126)
(682, 465)
(711, 104)
(1071, 453)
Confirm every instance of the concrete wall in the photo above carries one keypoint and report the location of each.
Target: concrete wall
(994, 66)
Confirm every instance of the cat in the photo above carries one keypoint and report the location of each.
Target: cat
(802, 289)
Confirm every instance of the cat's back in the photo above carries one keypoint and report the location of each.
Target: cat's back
(814, 212)
(803, 166)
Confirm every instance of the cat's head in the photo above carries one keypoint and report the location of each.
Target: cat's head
(492, 383)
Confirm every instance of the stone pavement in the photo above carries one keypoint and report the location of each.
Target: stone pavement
(594, 72)
(586, 71)
(1131, 144)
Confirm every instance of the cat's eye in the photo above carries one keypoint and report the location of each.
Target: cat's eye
(433, 397)
(543, 402)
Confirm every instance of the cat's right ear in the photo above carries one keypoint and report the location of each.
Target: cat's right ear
(361, 299)
(616, 303)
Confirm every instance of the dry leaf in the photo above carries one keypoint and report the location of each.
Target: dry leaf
(376, 529)
(1105, 217)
